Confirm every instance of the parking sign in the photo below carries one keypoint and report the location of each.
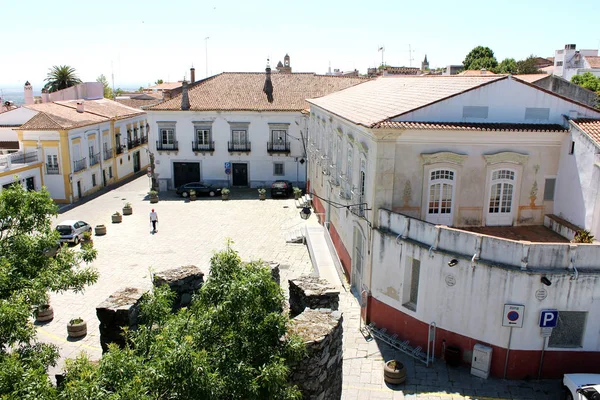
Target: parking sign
(548, 318)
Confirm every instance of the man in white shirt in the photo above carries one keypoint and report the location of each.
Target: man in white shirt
(153, 220)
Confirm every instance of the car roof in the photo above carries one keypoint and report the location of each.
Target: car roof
(68, 222)
(584, 379)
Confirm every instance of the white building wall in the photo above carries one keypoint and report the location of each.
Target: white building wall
(506, 101)
(260, 162)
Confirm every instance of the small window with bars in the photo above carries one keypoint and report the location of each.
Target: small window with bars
(278, 169)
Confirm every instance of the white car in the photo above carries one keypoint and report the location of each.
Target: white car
(582, 386)
(72, 230)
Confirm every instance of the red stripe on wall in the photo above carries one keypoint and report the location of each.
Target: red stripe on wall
(522, 364)
(341, 250)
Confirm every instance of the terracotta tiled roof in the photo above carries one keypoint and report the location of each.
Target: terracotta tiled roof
(61, 115)
(402, 70)
(243, 91)
(136, 103)
(164, 86)
(470, 126)
(387, 97)
(475, 72)
(589, 126)
(593, 61)
(531, 78)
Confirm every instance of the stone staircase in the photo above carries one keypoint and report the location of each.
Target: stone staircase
(295, 235)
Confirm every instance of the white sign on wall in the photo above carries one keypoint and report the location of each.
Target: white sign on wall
(513, 315)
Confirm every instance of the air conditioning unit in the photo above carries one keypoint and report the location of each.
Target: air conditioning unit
(482, 360)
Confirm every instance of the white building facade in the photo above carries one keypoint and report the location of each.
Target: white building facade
(394, 162)
(569, 62)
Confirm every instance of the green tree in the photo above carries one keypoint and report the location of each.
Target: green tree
(61, 77)
(528, 66)
(158, 82)
(480, 57)
(27, 274)
(588, 81)
(507, 66)
(108, 93)
(231, 343)
(118, 92)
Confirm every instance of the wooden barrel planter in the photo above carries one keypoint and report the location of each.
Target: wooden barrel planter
(77, 328)
(44, 313)
(394, 372)
(127, 210)
(117, 218)
(100, 230)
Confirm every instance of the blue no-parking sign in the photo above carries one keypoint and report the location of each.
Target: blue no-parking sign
(227, 165)
(548, 318)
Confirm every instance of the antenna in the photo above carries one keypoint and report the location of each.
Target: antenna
(410, 55)
(112, 75)
(382, 50)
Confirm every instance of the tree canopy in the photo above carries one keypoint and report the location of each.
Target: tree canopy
(158, 82)
(480, 57)
(61, 77)
(588, 81)
(108, 93)
(28, 273)
(507, 66)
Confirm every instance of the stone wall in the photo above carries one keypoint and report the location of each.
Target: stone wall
(312, 292)
(119, 310)
(319, 374)
(184, 281)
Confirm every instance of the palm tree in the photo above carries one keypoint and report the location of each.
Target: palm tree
(61, 77)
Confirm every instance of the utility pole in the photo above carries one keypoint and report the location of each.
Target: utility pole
(382, 50)
(410, 57)
(206, 51)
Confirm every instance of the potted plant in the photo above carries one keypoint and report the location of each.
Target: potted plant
(117, 218)
(86, 240)
(100, 230)
(225, 193)
(192, 195)
(297, 193)
(262, 193)
(127, 209)
(44, 313)
(77, 327)
(583, 236)
(153, 196)
(394, 372)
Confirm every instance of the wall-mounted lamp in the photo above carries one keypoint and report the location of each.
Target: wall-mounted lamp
(305, 213)
(546, 281)
(453, 262)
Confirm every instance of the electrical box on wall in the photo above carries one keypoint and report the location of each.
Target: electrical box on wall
(482, 360)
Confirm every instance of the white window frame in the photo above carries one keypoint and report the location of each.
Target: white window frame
(501, 216)
(203, 133)
(167, 135)
(441, 177)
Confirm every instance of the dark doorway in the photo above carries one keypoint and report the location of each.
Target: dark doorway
(136, 161)
(30, 183)
(79, 189)
(104, 177)
(185, 173)
(240, 174)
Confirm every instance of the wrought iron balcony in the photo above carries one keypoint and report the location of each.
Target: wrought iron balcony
(108, 154)
(238, 146)
(23, 158)
(196, 146)
(143, 139)
(52, 170)
(79, 165)
(94, 159)
(278, 147)
(119, 149)
(160, 146)
(131, 143)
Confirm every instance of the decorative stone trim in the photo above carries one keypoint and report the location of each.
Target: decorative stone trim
(444, 157)
(362, 147)
(506, 157)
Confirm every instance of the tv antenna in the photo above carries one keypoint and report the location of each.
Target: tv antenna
(410, 55)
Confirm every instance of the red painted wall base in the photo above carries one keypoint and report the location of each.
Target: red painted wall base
(522, 364)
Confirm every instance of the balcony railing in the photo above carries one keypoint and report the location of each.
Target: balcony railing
(278, 147)
(79, 165)
(238, 146)
(52, 170)
(196, 146)
(167, 146)
(23, 158)
(119, 149)
(108, 154)
(143, 139)
(131, 143)
(94, 159)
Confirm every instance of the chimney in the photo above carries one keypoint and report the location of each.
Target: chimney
(185, 100)
(80, 106)
(28, 93)
(268, 88)
(192, 75)
(483, 71)
(45, 96)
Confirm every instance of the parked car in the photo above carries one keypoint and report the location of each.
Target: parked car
(72, 230)
(582, 386)
(281, 188)
(200, 188)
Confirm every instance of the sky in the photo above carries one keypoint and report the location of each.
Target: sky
(141, 41)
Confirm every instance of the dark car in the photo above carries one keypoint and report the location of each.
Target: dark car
(202, 189)
(281, 188)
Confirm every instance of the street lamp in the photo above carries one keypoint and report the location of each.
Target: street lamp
(305, 213)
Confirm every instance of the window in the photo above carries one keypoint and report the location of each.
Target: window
(239, 136)
(572, 148)
(110, 175)
(411, 284)
(203, 136)
(549, 189)
(278, 136)
(569, 330)
(475, 112)
(93, 180)
(278, 169)
(502, 191)
(167, 136)
(537, 113)
(91, 149)
(559, 63)
(52, 161)
(349, 165)
(440, 192)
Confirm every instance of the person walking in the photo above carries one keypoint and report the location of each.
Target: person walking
(153, 220)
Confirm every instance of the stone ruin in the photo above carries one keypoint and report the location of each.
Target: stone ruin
(312, 292)
(184, 281)
(319, 374)
(119, 310)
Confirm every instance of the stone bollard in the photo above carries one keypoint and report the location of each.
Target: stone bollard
(119, 310)
(319, 374)
(274, 266)
(184, 281)
(312, 292)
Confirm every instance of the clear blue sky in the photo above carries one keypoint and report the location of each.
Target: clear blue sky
(142, 41)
